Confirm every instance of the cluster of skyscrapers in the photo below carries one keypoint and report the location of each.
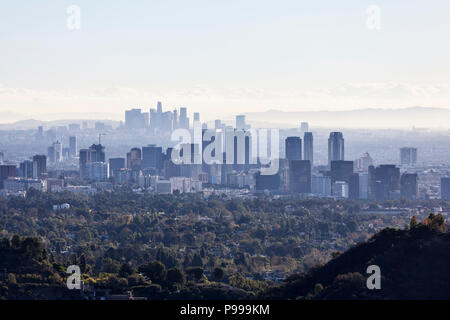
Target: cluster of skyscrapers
(236, 165)
(57, 153)
(157, 120)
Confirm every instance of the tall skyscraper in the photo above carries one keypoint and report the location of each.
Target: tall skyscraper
(384, 182)
(39, 166)
(7, 171)
(445, 188)
(55, 152)
(293, 148)
(335, 147)
(408, 156)
(408, 186)
(73, 146)
(175, 119)
(300, 176)
(51, 154)
(26, 169)
(196, 116)
(364, 162)
(240, 122)
(152, 157)
(304, 127)
(184, 120)
(98, 153)
(343, 171)
(95, 153)
(308, 150)
(134, 159)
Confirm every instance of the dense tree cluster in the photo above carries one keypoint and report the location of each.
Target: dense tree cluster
(177, 246)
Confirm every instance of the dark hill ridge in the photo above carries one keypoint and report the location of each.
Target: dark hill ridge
(414, 264)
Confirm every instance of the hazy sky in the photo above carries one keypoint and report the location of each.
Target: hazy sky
(223, 56)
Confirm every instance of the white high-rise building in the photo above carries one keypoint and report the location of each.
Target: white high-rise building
(363, 163)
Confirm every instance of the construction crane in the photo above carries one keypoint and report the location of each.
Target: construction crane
(100, 137)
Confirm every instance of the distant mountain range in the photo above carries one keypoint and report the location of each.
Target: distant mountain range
(420, 117)
(28, 124)
(363, 118)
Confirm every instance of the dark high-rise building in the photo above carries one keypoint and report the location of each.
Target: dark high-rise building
(267, 182)
(308, 150)
(39, 165)
(98, 153)
(134, 159)
(408, 156)
(7, 171)
(152, 157)
(384, 182)
(343, 171)
(26, 169)
(51, 154)
(408, 186)
(300, 176)
(196, 116)
(95, 153)
(116, 164)
(353, 186)
(335, 147)
(445, 188)
(293, 148)
(85, 158)
(73, 147)
(170, 169)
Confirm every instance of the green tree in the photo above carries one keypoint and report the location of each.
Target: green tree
(196, 272)
(126, 270)
(176, 275)
(155, 271)
(219, 274)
